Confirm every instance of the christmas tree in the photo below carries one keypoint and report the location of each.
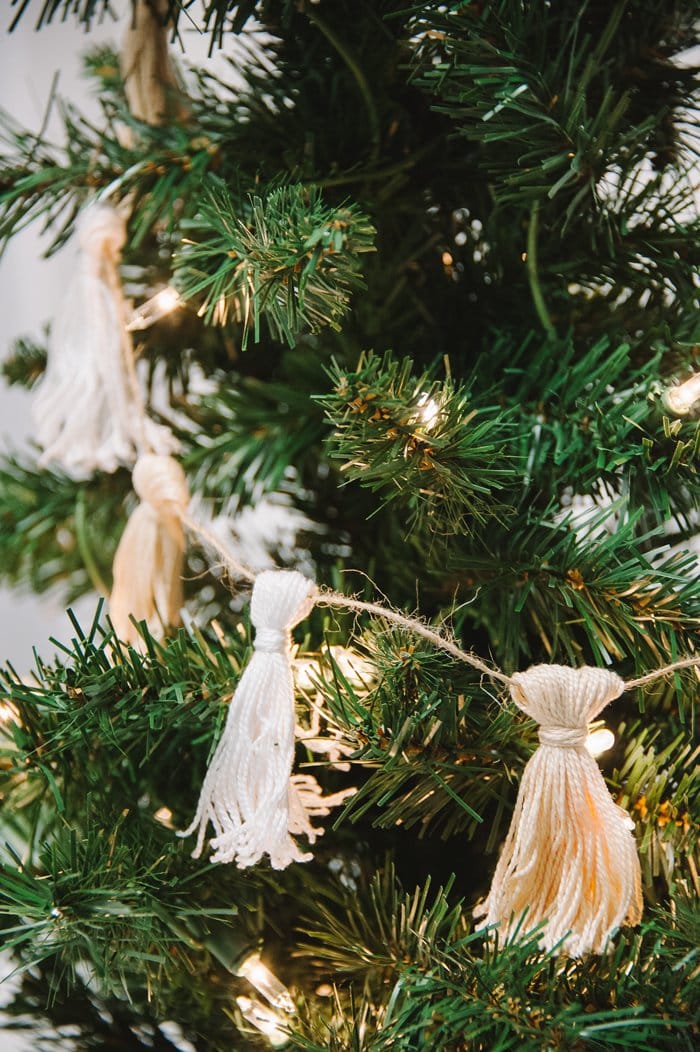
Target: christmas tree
(406, 303)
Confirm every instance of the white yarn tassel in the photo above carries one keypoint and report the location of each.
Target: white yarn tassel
(147, 572)
(570, 859)
(249, 794)
(88, 411)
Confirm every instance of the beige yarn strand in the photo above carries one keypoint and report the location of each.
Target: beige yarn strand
(148, 564)
(151, 85)
(569, 862)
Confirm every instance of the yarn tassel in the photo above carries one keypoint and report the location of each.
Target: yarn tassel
(88, 411)
(147, 572)
(152, 87)
(570, 859)
(249, 794)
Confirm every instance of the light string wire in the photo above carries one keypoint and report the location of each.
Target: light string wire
(328, 597)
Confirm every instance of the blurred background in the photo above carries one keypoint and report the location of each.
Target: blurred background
(30, 287)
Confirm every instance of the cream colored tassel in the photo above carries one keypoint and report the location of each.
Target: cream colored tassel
(150, 83)
(88, 411)
(570, 859)
(249, 794)
(149, 560)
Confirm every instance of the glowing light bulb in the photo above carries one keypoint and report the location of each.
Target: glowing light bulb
(264, 1020)
(165, 816)
(428, 410)
(155, 308)
(266, 983)
(682, 398)
(357, 670)
(599, 741)
(8, 713)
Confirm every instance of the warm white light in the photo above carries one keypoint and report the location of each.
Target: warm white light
(428, 410)
(266, 983)
(155, 308)
(356, 669)
(599, 741)
(8, 712)
(264, 1020)
(165, 816)
(681, 399)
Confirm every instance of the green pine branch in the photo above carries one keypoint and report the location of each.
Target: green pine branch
(57, 532)
(250, 435)
(217, 17)
(422, 445)
(25, 364)
(552, 98)
(287, 257)
(429, 754)
(420, 981)
(658, 785)
(580, 592)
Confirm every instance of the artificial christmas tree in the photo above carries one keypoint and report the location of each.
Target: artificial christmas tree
(412, 313)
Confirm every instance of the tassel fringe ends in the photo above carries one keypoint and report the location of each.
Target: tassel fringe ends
(570, 859)
(148, 563)
(249, 795)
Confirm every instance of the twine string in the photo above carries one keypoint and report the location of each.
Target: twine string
(438, 638)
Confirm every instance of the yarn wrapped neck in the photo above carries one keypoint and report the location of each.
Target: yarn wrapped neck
(160, 481)
(563, 737)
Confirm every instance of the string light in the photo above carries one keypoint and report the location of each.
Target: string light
(356, 669)
(599, 741)
(683, 397)
(8, 713)
(266, 983)
(264, 1020)
(155, 308)
(428, 410)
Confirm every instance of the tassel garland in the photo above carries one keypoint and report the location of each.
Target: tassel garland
(249, 794)
(570, 859)
(88, 411)
(148, 563)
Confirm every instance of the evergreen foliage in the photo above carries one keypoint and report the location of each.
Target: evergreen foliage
(438, 266)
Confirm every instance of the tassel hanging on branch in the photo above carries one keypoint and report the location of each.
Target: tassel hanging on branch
(88, 410)
(570, 860)
(147, 572)
(249, 794)
(151, 85)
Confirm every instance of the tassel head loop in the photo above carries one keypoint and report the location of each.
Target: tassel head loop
(569, 862)
(558, 696)
(280, 600)
(101, 231)
(250, 796)
(160, 481)
(147, 571)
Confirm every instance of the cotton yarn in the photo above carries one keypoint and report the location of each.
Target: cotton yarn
(150, 82)
(88, 412)
(569, 861)
(147, 571)
(249, 795)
